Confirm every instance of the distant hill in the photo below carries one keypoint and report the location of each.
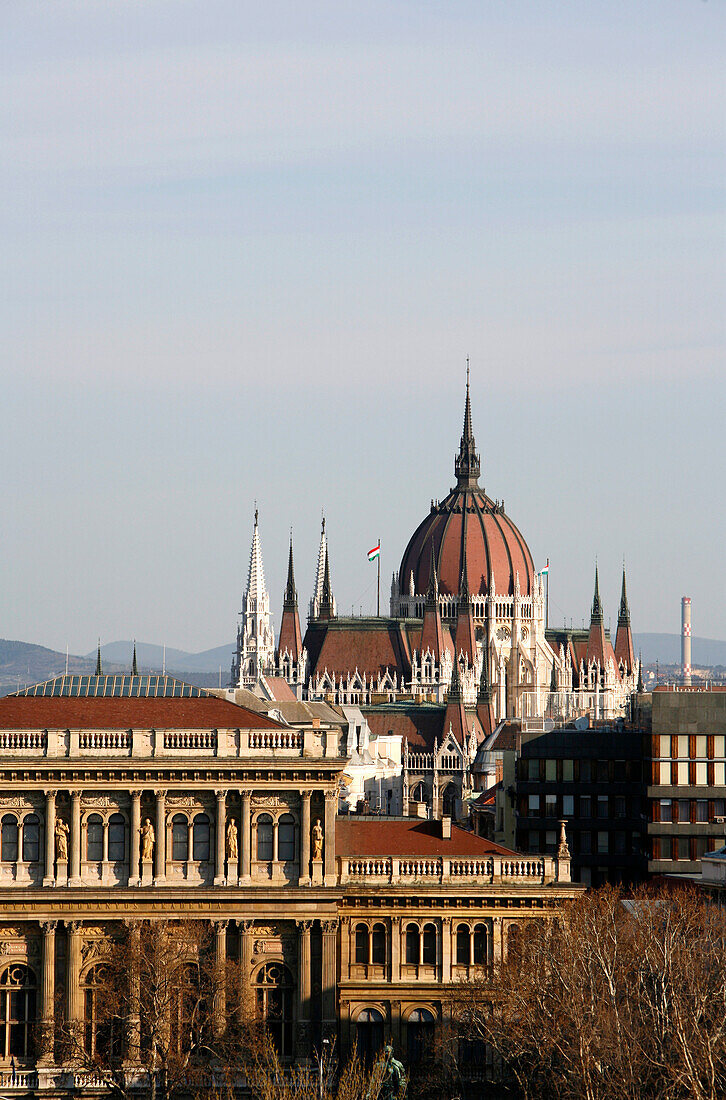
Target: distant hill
(666, 648)
(24, 663)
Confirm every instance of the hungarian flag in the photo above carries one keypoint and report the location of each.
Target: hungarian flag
(544, 572)
(374, 553)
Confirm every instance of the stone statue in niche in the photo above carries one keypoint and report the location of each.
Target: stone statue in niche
(317, 840)
(61, 840)
(232, 850)
(147, 841)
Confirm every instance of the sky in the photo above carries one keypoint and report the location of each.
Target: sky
(247, 248)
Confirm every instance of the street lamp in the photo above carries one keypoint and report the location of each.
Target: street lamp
(326, 1042)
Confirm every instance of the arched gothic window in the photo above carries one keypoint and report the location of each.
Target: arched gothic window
(9, 839)
(361, 943)
(18, 992)
(463, 945)
(419, 1033)
(31, 839)
(274, 1005)
(419, 793)
(413, 938)
(428, 954)
(94, 839)
(103, 1029)
(369, 1034)
(179, 838)
(480, 945)
(449, 805)
(378, 944)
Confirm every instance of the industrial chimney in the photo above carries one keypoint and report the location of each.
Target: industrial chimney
(686, 640)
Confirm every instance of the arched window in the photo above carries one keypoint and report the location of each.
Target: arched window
(463, 942)
(420, 1031)
(9, 839)
(413, 937)
(286, 838)
(179, 838)
(102, 1026)
(449, 800)
(429, 945)
(378, 944)
(480, 945)
(274, 1005)
(369, 1034)
(419, 793)
(18, 991)
(200, 838)
(116, 838)
(188, 1009)
(361, 943)
(94, 839)
(264, 838)
(31, 839)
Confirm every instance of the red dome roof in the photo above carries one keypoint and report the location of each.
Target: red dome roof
(467, 530)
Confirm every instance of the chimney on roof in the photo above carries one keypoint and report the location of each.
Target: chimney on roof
(446, 828)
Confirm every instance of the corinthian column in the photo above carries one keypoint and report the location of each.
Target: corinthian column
(220, 838)
(245, 838)
(160, 852)
(219, 1008)
(329, 974)
(48, 990)
(74, 995)
(331, 807)
(304, 878)
(134, 878)
(75, 868)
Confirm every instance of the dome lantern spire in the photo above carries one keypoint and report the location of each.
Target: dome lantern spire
(467, 465)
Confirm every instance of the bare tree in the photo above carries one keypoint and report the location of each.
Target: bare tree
(617, 998)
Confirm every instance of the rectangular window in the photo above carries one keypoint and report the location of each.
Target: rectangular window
(585, 771)
(701, 773)
(702, 810)
(602, 771)
(568, 771)
(701, 747)
(568, 805)
(533, 805)
(684, 810)
(551, 771)
(602, 805)
(585, 843)
(666, 810)
(683, 773)
(551, 805)
(719, 807)
(534, 840)
(620, 843)
(701, 846)
(585, 806)
(657, 847)
(663, 773)
(619, 771)
(683, 746)
(620, 809)
(718, 774)
(602, 842)
(533, 770)
(718, 746)
(550, 840)
(682, 848)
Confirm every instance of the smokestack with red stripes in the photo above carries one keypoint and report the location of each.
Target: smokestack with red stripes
(686, 639)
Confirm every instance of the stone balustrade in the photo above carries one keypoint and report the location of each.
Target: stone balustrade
(485, 871)
(22, 740)
(104, 740)
(275, 740)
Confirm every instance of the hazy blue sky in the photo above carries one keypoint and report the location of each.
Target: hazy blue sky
(247, 247)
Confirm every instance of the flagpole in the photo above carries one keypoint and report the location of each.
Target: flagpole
(378, 600)
(547, 597)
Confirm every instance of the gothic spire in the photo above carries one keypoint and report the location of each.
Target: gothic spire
(467, 466)
(327, 603)
(317, 597)
(134, 666)
(597, 614)
(255, 651)
(256, 577)
(290, 590)
(99, 669)
(640, 672)
(624, 612)
(432, 593)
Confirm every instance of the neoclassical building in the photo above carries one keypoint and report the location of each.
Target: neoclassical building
(132, 798)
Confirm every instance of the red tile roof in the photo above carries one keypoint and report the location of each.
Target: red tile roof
(106, 712)
(371, 646)
(384, 836)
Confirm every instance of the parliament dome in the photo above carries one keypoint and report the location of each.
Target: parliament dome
(467, 531)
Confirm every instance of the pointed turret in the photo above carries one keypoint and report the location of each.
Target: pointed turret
(290, 640)
(640, 674)
(467, 466)
(596, 639)
(455, 715)
(317, 597)
(327, 603)
(624, 652)
(465, 642)
(134, 666)
(432, 632)
(99, 669)
(484, 709)
(255, 654)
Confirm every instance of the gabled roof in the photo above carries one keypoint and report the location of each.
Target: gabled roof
(385, 836)
(372, 646)
(110, 712)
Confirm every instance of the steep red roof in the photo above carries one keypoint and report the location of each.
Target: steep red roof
(420, 727)
(387, 836)
(107, 712)
(370, 645)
